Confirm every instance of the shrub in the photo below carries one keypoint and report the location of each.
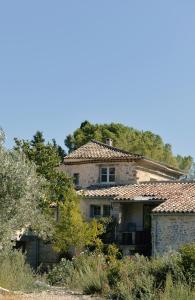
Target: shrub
(91, 281)
(130, 279)
(90, 272)
(178, 291)
(15, 274)
(62, 273)
(170, 263)
(188, 261)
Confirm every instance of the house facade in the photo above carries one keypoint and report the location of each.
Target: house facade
(153, 211)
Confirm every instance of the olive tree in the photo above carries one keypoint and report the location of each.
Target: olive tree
(22, 196)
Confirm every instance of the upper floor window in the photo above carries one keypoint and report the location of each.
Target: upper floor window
(107, 175)
(76, 178)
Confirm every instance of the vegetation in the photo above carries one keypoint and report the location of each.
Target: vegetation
(47, 158)
(71, 229)
(22, 195)
(127, 138)
(132, 278)
(15, 274)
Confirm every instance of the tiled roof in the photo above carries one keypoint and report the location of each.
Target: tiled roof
(177, 196)
(96, 150)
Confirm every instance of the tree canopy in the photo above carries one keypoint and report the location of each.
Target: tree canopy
(71, 229)
(127, 138)
(22, 195)
(47, 157)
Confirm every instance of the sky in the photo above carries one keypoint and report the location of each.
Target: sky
(63, 62)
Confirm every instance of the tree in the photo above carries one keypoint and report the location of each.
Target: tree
(47, 157)
(127, 138)
(22, 196)
(71, 229)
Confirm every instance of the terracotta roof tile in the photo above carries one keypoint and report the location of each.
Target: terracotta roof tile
(176, 196)
(97, 150)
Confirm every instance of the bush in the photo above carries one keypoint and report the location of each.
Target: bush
(170, 263)
(90, 272)
(85, 272)
(62, 273)
(15, 274)
(179, 291)
(188, 261)
(129, 278)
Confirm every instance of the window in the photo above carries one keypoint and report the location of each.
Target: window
(95, 211)
(107, 175)
(106, 210)
(76, 178)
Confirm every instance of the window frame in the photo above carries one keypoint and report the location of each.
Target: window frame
(92, 215)
(76, 179)
(107, 174)
(108, 208)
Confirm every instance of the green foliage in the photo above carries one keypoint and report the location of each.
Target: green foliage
(170, 263)
(62, 273)
(15, 274)
(85, 272)
(132, 278)
(22, 195)
(71, 229)
(127, 138)
(188, 261)
(47, 157)
(90, 273)
(178, 291)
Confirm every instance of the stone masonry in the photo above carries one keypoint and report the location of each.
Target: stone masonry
(170, 231)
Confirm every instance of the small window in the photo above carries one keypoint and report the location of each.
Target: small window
(107, 175)
(76, 178)
(106, 210)
(104, 172)
(95, 211)
(111, 174)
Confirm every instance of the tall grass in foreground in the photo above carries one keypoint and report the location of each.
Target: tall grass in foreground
(130, 278)
(15, 274)
(179, 291)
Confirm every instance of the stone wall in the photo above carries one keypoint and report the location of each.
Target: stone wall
(147, 175)
(89, 174)
(126, 173)
(171, 231)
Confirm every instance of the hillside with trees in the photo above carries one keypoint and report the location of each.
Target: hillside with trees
(130, 139)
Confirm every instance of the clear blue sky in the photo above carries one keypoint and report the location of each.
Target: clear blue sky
(62, 62)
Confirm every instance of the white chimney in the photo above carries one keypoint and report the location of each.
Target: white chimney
(109, 142)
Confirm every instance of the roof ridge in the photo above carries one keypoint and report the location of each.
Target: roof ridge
(115, 148)
(136, 154)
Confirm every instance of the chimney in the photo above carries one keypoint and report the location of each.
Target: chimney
(109, 142)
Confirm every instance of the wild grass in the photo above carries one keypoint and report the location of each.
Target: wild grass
(129, 278)
(15, 274)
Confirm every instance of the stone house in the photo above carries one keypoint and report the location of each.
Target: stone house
(152, 209)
